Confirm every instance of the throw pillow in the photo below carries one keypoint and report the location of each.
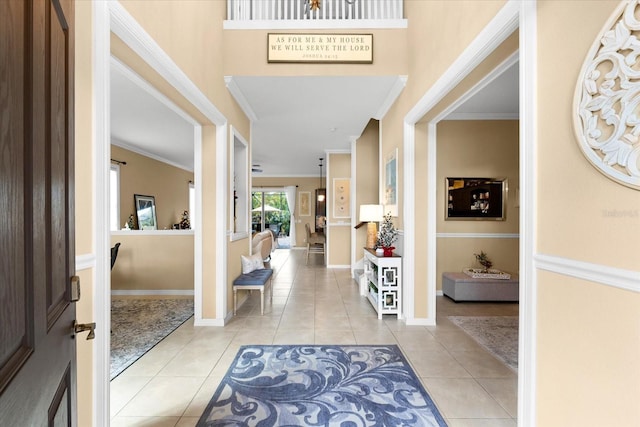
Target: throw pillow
(250, 263)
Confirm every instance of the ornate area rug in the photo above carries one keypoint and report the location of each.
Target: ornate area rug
(300, 385)
(498, 334)
(139, 324)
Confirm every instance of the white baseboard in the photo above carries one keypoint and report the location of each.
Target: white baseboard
(338, 266)
(151, 292)
(209, 322)
(420, 321)
(439, 293)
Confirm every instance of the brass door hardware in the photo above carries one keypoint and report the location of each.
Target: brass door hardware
(75, 289)
(81, 327)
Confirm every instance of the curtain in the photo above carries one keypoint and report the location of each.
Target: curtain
(290, 192)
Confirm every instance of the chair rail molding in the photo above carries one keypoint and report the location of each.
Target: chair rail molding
(85, 262)
(628, 280)
(478, 235)
(604, 118)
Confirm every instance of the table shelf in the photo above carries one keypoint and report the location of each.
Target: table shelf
(383, 284)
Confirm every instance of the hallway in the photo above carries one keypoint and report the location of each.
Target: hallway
(172, 384)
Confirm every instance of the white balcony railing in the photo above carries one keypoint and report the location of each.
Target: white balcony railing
(300, 10)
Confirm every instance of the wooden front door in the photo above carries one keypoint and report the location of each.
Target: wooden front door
(37, 259)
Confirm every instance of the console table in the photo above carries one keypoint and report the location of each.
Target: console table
(383, 283)
(461, 287)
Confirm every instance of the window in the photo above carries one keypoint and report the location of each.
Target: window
(239, 187)
(114, 198)
(192, 205)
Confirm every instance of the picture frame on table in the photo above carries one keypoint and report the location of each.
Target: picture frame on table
(145, 207)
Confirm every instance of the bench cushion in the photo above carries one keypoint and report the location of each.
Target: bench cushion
(254, 278)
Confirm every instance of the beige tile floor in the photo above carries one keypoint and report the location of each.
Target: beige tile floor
(172, 384)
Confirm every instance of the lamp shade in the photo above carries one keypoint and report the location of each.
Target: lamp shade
(371, 213)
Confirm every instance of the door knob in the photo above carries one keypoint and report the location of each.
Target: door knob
(81, 327)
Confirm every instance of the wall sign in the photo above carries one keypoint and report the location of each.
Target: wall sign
(327, 48)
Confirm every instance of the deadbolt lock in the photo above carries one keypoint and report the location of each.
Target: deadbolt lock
(75, 289)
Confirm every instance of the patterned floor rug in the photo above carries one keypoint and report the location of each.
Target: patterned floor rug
(137, 325)
(498, 334)
(298, 385)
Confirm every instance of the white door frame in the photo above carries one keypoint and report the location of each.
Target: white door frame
(108, 17)
(515, 15)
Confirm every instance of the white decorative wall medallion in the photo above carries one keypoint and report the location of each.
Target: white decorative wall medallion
(607, 99)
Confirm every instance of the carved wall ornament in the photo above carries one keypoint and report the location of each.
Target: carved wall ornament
(607, 99)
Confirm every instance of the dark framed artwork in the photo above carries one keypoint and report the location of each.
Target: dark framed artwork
(146, 212)
(476, 199)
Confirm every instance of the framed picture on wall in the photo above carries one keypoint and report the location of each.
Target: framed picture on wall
(476, 198)
(341, 198)
(305, 203)
(390, 195)
(146, 211)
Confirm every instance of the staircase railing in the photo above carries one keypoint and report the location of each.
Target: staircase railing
(306, 10)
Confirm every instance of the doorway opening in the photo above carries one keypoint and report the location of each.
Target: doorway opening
(270, 211)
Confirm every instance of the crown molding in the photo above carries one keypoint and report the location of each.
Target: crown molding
(128, 146)
(238, 95)
(393, 94)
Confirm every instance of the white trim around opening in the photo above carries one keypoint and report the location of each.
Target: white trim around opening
(513, 16)
(112, 17)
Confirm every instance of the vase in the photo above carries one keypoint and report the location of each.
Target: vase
(389, 251)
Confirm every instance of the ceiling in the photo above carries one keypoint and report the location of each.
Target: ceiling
(144, 121)
(295, 120)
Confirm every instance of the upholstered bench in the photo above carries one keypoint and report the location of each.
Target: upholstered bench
(255, 280)
(460, 287)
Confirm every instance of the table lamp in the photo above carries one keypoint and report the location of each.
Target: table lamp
(371, 214)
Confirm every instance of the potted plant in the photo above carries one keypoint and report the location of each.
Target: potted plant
(387, 235)
(484, 261)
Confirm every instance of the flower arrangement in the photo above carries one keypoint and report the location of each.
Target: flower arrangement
(484, 261)
(387, 234)
(130, 223)
(185, 224)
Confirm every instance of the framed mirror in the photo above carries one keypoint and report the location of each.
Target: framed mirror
(476, 199)
(146, 211)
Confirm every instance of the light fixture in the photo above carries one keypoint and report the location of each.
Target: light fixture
(371, 214)
(321, 194)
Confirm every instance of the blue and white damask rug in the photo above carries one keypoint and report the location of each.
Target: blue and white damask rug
(306, 385)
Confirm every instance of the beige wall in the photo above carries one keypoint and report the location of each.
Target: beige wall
(583, 327)
(588, 333)
(150, 261)
(143, 175)
(588, 351)
(84, 183)
(197, 49)
(424, 70)
(365, 178)
(308, 184)
(487, 149)
(444, 31)
(338, 236)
